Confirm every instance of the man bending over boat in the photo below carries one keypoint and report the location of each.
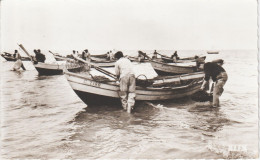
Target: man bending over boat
(124, 71)
(218, 74)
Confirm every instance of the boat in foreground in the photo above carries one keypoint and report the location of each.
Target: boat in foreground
(92, 90)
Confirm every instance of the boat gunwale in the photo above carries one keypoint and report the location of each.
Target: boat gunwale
(112, 83)
(173, 65)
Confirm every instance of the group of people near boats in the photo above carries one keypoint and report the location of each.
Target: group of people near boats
(127, 80)
(39, 57)
(124, 71)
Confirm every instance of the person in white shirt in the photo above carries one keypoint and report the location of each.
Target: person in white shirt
(124, 71)
(18, 63)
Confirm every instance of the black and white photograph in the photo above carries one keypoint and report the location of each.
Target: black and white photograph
(129, 79)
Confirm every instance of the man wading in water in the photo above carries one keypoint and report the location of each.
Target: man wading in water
(124, 71)
(18, 64)
(218, 74)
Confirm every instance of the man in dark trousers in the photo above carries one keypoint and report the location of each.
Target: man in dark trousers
(125, 73)
(218, 74)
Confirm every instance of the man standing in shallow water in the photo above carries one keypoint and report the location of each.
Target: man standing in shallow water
(18, 63)
(124, 71)
(218, 74)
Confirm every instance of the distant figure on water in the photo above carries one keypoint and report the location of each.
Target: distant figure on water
(218, 74)
(124, 71)
(175, 57)
(18, 63)
(39, 56)
(155, 54)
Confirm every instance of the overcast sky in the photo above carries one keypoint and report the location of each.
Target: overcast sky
(129, 24)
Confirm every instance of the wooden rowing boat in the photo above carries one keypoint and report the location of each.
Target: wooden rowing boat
(49, 69)
(92, 91)
(172, 68)
(54, 69)
(181, 60)
(11, 58)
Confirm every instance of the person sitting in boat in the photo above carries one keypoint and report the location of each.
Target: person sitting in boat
(85, 55)
(154, 54)
(175, 57)
(111, 55)
(124, 71)
(18, 63)
(108, 56)
(39, 56)
(15, 54)
(141, 56)
(217, 73)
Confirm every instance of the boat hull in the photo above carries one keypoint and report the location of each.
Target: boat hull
(91, 91)
(161, 67)
(44, 71)
(9, 58)
(53, 69)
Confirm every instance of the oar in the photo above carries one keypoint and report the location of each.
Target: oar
(97, 68)
(21, 46)
(163, 55)
(52, 53)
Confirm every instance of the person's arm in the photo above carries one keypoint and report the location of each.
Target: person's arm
(206, 79)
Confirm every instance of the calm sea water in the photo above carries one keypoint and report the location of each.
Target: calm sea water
(41, 117)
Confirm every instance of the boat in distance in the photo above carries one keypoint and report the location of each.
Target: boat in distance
(9, 57)
(213, 52)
